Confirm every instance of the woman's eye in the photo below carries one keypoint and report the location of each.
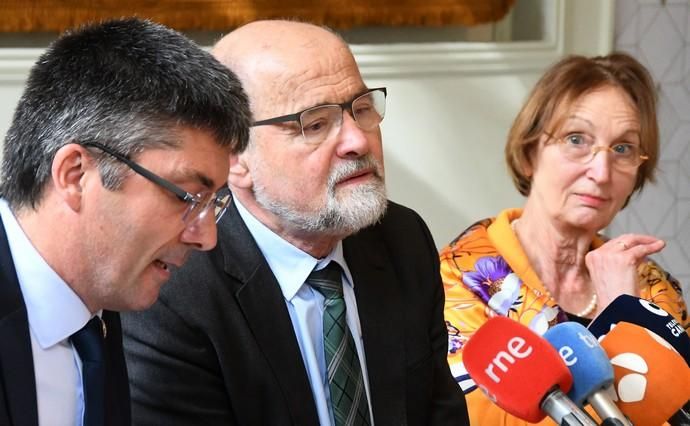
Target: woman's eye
(575, 139)
(623, 148)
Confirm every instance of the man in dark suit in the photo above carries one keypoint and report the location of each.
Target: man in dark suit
(109, 178)
(322, 303)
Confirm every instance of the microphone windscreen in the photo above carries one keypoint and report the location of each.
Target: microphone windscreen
(650, 379)
(584, 357)
(647, 315)
(515, 367)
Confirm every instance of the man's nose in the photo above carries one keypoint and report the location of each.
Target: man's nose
(201, 232)
(352, 140)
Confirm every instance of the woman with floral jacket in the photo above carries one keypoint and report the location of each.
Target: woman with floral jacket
(583, 143)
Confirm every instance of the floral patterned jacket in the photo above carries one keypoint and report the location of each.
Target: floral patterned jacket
(486, 273)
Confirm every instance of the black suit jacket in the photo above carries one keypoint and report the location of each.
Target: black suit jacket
(18, 405)
(218, 348)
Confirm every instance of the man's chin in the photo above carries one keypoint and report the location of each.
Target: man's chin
(354, 215)
(145, 301)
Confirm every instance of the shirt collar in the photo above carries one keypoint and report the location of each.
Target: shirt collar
(290, 265)
(54, 310)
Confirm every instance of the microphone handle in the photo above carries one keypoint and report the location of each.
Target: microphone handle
(613, 422)
(564, 411)
(607, 409)
(570, 420)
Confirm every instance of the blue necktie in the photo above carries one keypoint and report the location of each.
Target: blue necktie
(89, 343)
(345, 381)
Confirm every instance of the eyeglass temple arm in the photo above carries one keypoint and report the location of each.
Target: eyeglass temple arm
(180, 193)
(276, 120)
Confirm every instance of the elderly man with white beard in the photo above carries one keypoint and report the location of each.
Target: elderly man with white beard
(322, 303)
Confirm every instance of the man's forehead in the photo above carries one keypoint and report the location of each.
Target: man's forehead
(196, 157)
(305, 88)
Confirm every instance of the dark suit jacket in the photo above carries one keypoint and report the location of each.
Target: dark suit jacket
(17, 381)
(218, 348)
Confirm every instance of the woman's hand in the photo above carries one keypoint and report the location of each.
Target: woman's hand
(613, 266)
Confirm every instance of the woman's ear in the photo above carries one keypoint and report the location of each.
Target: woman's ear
(531, 157)
(527, 169)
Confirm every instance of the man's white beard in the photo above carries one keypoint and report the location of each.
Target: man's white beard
(360, 207)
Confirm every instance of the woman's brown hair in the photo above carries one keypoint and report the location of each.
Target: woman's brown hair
(560, 87)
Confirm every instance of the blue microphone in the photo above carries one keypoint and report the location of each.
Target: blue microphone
(647, 315)
(590, 367)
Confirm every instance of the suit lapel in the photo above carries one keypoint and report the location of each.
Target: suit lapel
(380, 314)
(263, 306)
(16, 359)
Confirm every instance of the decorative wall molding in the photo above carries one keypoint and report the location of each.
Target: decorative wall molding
(426, 59)
(15, 64)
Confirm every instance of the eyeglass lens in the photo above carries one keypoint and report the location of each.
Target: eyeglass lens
(582, 149)
(320, 123)
(199, 208)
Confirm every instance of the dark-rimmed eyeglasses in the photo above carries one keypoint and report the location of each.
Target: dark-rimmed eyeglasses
(198, 204)
(581, 148)
(320, 122)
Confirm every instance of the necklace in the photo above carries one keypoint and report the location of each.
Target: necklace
(591, 306)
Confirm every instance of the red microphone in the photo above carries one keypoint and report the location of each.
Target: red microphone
(651, 380)
(521, 373)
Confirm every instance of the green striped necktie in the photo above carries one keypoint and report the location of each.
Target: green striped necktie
(348, 396)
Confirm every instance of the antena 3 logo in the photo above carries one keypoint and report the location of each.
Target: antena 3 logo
(632, 386)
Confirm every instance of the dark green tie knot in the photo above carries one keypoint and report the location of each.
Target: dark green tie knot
(328, 281)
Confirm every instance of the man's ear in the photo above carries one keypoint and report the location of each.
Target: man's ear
(70, 164)
(240, 176)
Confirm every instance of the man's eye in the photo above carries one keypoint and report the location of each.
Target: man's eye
(315, 126)
(362, 106)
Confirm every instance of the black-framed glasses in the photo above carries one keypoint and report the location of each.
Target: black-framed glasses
(320, 122)
(581, 148)
(198, 204)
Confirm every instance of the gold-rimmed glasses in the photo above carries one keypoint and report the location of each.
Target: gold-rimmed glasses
(581, 148)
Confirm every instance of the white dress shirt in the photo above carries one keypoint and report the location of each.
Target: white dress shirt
(55, 312)
(291, 267)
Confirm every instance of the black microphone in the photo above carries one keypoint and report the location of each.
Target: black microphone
(634, 310)
(641, 312)
(682, 417)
